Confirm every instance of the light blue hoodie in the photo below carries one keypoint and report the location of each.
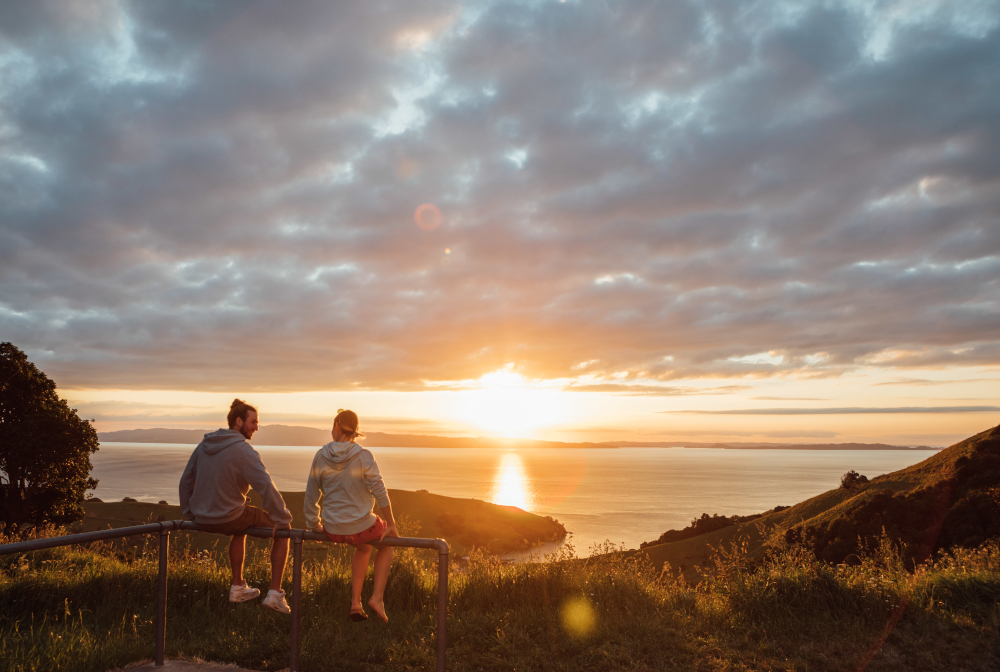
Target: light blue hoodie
(347, 478)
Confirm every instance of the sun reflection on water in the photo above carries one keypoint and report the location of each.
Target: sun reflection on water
(511, 486)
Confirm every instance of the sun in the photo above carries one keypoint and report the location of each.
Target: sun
(505, 404)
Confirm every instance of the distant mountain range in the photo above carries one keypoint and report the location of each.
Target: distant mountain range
(285, 435)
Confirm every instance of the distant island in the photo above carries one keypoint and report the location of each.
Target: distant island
(286, 435)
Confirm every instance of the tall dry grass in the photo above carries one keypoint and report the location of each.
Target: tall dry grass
(92, 609)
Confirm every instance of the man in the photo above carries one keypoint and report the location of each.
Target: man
(213, 492)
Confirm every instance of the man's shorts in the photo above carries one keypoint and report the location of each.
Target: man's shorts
(372, 534)
(251, 517)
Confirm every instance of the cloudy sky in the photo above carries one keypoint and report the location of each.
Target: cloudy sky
(706, 219)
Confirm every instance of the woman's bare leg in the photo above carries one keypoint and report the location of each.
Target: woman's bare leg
(359, 567)
(383, 562)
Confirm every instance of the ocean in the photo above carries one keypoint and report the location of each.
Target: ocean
(625, 495)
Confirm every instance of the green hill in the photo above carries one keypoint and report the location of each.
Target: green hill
(465, 523)
(950, 499)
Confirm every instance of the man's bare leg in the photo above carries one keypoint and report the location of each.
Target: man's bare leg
(279, 556)
(237, 552)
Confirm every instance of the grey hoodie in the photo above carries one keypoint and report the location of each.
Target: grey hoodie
(221, 471)
(347, 477)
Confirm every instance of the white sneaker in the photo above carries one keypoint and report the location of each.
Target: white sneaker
(242, 593)
(275, 601)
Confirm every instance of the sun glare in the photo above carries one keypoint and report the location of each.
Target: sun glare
(504, 404)
(510, 483)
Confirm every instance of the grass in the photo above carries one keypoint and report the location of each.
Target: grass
(92, 609)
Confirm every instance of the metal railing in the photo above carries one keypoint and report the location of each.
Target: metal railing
(297, 537)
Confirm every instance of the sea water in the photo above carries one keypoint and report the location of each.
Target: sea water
(624, 495)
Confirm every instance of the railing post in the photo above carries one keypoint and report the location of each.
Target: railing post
(296, 599)
(161, 599)
(442, 608)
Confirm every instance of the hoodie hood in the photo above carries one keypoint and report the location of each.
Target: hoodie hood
(336, 455)
(217, 441)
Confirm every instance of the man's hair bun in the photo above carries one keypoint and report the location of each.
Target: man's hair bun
(239, 409)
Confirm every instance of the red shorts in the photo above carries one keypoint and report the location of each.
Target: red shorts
(372, 534)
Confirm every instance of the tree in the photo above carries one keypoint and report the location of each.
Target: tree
(852, 480)
(45, 449)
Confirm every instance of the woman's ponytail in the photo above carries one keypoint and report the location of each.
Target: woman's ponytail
(348, 421)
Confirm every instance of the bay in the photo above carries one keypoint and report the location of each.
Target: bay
(625, 495)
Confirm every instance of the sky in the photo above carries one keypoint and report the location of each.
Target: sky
(584, 221)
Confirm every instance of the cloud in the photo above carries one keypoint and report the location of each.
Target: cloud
(147, 414)
(114, 410)
(654, 390)
(845, 411)
(920, 382)
(790, 399)
(222, 196)
(792, 434)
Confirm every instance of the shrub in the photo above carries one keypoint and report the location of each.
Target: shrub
(704, 525)
(852, 480)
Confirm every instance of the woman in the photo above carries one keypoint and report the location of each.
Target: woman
(346, 477)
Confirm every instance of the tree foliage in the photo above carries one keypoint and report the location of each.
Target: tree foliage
(852, 480)
(45, 449)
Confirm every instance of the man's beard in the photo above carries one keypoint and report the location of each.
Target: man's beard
(246, 431)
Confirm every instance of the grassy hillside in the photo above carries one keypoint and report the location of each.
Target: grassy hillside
(926, 505)
(465, 523)
(92, 609)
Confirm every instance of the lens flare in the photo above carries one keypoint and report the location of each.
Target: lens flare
(427, 216)
(550, 490)
(578, 617)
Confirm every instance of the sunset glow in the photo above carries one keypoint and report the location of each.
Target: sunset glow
(710, 229)
(504, 404)
(511, 486)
